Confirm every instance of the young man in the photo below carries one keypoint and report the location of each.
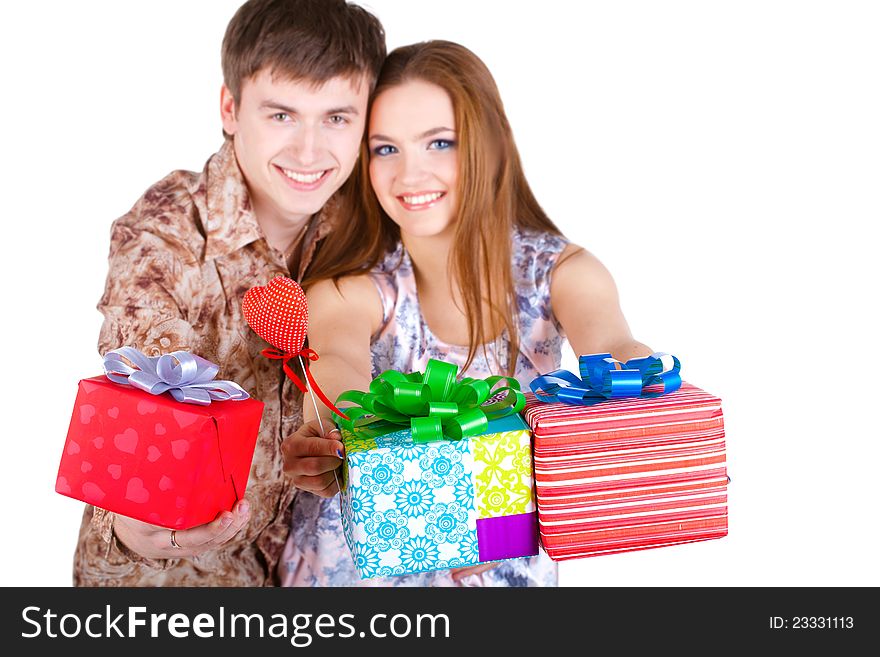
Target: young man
(297, 76)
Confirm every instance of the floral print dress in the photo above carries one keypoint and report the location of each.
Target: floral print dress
(316, 553)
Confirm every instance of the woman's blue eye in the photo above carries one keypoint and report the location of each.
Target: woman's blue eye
(385, 149)
(441, 144)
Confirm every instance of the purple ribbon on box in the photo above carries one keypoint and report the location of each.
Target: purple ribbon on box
(507, 537)
(187, 377)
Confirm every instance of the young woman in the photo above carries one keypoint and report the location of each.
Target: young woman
(462, 265)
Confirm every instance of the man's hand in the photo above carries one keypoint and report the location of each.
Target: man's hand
(312, 459)
(154, 542)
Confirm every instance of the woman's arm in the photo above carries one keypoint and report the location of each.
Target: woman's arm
(342, 319)
(584, 299)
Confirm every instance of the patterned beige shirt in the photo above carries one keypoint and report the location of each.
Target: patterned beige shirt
(180, 263)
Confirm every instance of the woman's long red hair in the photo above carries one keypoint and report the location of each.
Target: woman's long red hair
(493, 194)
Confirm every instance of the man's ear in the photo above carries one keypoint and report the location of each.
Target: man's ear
(228, 111)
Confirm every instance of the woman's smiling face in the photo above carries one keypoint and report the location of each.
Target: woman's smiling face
(414, 157)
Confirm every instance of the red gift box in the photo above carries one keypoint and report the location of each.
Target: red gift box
(629, 474)
(152, 458)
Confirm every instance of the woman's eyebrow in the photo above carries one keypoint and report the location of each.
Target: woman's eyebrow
(424, 135)
(434, 131)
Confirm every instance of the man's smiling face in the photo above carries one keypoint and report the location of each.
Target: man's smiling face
(296, 142)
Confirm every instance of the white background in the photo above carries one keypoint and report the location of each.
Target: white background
(722, 159)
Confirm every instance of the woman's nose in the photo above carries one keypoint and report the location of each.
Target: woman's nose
(412, 170)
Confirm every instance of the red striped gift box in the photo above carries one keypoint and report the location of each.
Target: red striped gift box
(629, 474)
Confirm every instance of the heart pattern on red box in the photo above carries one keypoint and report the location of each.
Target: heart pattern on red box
(93, 492)
(126, 441)
(62, 485)
(179, 448)
(136, 492)
(278, 313)
(86, 413)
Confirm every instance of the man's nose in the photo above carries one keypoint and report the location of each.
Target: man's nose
(307, 146)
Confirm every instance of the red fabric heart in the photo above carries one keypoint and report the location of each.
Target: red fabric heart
(278, 313)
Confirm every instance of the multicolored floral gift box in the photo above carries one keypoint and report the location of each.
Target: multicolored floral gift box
(411, 507)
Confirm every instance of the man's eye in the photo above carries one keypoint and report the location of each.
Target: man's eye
(281, 116)
(385, 149)
(338, 120)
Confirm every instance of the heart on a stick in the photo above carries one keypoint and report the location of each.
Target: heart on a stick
(278, 313)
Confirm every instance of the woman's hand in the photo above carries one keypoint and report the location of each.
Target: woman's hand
(459, 574)
(312, 459)
(154, 542)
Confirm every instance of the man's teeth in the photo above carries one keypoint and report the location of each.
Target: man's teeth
(422, 199)
(305, 178)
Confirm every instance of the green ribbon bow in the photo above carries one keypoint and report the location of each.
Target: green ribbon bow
(433, 405)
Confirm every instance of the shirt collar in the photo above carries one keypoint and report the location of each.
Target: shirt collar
(225, 206)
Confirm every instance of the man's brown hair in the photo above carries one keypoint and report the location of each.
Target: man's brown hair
(311, 40)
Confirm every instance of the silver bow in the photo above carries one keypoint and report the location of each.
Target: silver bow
(187, 377)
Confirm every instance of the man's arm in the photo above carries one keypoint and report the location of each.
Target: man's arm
(146, 306)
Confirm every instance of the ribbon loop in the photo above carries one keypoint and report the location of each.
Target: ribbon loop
(426, 429)
(189, 378)
(433, 405)
(603, 377)
(274, 353)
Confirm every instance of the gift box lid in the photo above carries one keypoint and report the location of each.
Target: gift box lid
(688, 404)
(394, 436)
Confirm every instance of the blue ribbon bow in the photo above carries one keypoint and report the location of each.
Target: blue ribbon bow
(187, 377)
(603, 377)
